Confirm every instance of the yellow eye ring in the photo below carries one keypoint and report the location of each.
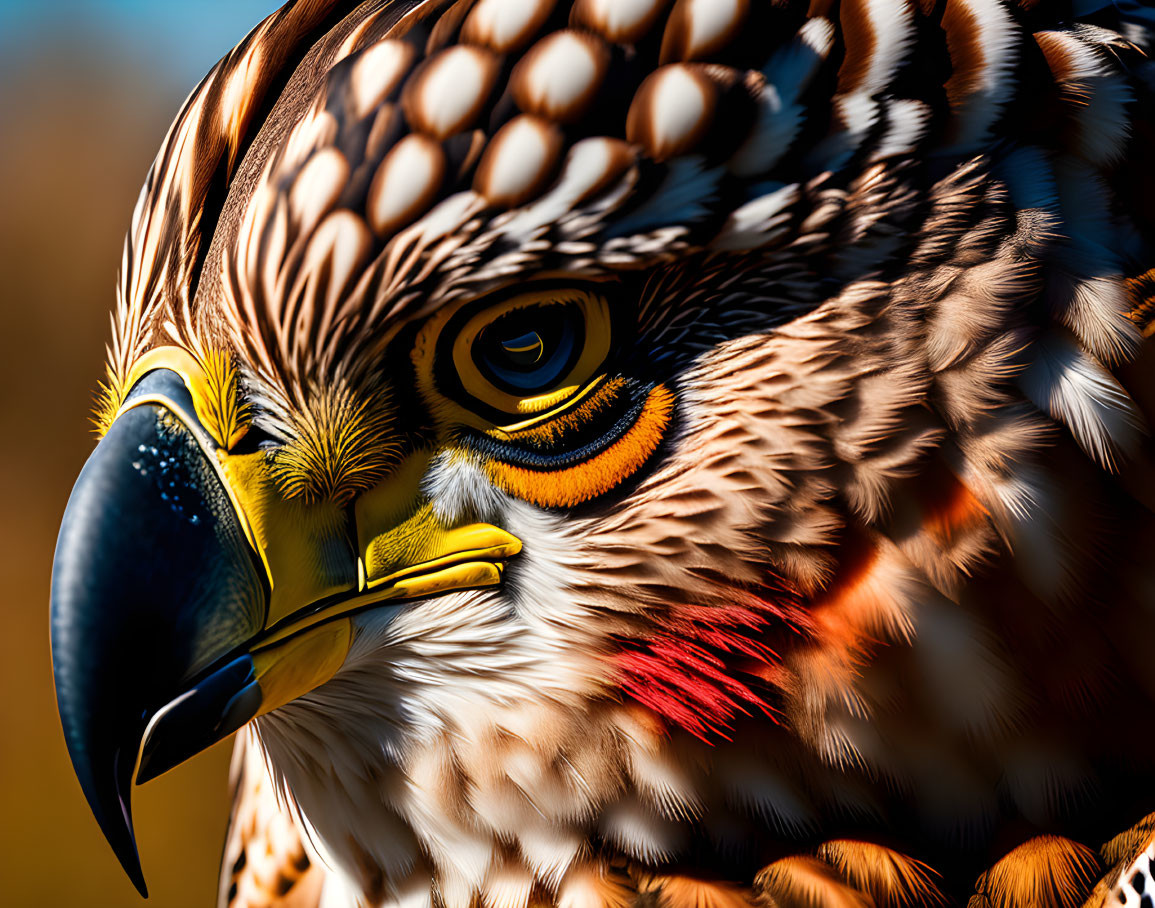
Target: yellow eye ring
(593, 350)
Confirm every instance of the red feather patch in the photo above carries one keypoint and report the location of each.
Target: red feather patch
(706, 664)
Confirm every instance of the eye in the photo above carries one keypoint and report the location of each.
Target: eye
(532, 385)
(529, 353)
(530, 350)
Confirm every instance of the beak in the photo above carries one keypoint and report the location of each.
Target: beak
(152, 581)
(189, 597)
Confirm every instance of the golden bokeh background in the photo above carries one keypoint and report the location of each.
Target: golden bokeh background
(87, 90)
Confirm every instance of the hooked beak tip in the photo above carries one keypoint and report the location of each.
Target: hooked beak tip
(112, 808)
(130, 860)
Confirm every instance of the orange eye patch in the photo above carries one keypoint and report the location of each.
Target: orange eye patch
(603, 471)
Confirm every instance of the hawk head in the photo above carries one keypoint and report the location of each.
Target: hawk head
(625, 433)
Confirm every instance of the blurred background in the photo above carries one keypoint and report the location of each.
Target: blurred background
(87, 90)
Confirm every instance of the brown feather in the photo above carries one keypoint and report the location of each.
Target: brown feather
(1043, 872)
(807, 882)
(892, 879)
(265, 862)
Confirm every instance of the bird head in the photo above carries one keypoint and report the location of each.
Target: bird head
(506, 407)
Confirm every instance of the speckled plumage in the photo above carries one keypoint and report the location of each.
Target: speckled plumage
(867, 620)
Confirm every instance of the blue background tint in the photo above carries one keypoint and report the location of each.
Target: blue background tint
(183, 39)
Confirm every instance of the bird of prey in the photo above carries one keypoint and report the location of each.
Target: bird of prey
(668, 453)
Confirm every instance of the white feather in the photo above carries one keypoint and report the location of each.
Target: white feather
(997, 38)
(1092, 302)
(640, 832)
(1070, 385)
(757, 223)
(906, 123)
(893, 24)
(859, 114)
(1096, 97)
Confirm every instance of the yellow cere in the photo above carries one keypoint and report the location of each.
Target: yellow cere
(292, 537)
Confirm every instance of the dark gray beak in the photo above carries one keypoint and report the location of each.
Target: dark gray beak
(155, 591)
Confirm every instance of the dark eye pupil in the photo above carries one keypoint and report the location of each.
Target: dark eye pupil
(525, 349)
(528, 351)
